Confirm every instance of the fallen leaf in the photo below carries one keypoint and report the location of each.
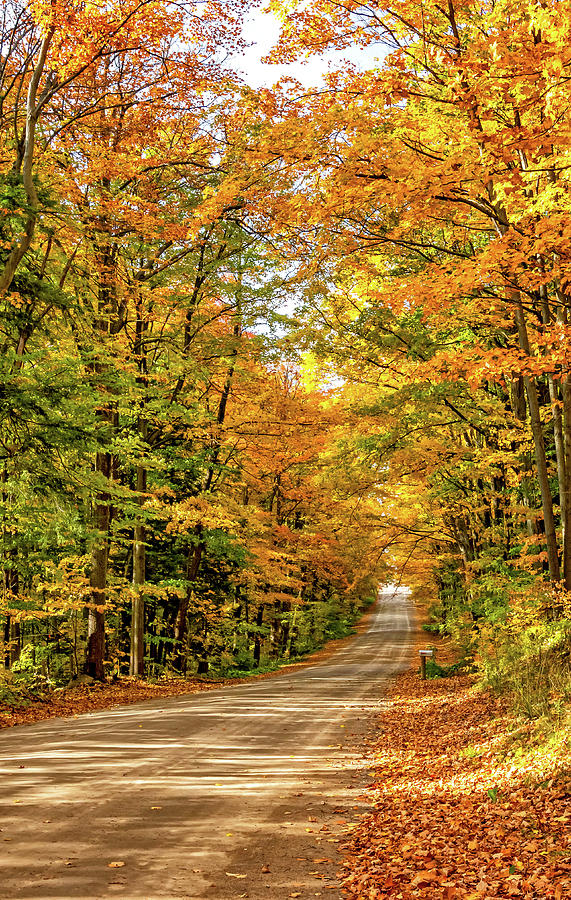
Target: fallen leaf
(424, 877)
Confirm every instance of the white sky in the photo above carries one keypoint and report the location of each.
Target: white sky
(262, 31)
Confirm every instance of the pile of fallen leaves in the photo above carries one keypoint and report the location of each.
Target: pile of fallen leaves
(467, 802)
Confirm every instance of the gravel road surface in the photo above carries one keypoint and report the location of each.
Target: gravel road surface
(245, 791)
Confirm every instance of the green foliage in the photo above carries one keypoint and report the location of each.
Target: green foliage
(531, 667)
(20, 689)
(306, 628)
(433, 670)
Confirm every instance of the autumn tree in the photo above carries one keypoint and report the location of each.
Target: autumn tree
(433, 186)
(94, 115)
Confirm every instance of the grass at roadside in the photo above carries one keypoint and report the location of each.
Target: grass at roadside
(468, 802)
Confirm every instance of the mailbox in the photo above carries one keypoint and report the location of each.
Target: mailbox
(424, 655)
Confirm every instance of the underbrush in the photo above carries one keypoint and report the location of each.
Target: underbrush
(531, 667)
(20, 689)
(461, 667)
(244, 671)
(517, 632)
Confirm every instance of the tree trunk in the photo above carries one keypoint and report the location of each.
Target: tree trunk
(98, 578)
(565, 488)
(12, 630)
(194, 556)
(203, 662)
(258, 638)
(539, 446)
(11, 581)
(139, 576)
(137, 654)
(25, 164)
(560, 453)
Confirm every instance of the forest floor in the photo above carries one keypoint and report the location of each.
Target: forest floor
(466, 801)
(72, 701)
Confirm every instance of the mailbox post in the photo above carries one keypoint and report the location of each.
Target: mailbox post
(424, 655)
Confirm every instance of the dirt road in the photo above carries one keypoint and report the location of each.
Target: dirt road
(240, 792)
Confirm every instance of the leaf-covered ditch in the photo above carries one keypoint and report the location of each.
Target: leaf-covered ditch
(468, 800)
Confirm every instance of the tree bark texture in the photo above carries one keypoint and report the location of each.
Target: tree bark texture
(98, 578)
(137, 655)
(539, 446)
